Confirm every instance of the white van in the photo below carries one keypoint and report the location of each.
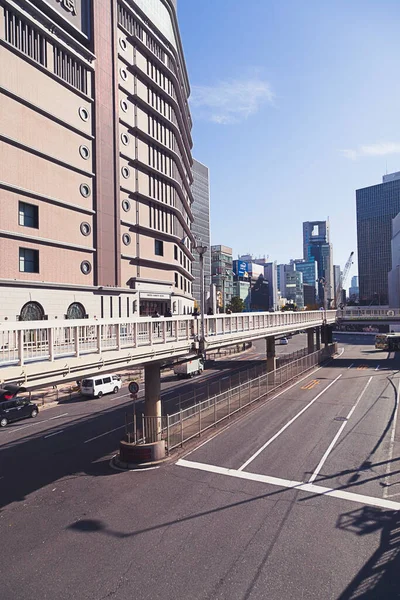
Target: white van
(102, 384)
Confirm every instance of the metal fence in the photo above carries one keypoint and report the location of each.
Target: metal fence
(186, 424)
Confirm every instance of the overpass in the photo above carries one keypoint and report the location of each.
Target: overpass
(35, 353)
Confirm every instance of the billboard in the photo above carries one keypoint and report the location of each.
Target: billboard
(76, 12)
(241, 268)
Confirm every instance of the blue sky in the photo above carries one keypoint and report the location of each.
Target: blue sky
(295, 105)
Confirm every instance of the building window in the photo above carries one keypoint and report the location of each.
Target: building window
(32, 311)
(83, 113)
(86, 267)
(126, 238)
(85, 190)
(176, 280)
(28, 260)
(24, 37)
(124, 105)
(124, 74)
(176, 252)
(85, 228)
(28, 215)
(84, 152)
(158, 248)
(76, 310)
(125, 139)
(126, 205)
(125, 172)
(122, 43)
(70, 70)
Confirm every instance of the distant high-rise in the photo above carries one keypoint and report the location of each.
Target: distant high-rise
(201, 224)
(377, 205)
(316, 244)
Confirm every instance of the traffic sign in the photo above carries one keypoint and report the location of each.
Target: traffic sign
(133, 387)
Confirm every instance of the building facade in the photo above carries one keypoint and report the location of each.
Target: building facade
(294, 288)
(317, 246)
(201, 226)
(377, 205)
(95, 154)
(222, 274)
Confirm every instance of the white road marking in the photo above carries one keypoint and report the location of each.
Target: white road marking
(244, 465)
(55, 433)
(36, 423)
(103, 434)
(350, 366)
(286, 483)
(377, 368)
(259, 407)
(325, 456)
(391, 444)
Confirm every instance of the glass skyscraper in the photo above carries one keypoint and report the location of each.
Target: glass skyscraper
(377, 205)
(201, 225)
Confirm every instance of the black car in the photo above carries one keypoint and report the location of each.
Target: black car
(13, 408)
(16, 409)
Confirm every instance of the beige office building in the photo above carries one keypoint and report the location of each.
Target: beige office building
(95, 160)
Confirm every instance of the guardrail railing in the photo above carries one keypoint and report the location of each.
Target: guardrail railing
(179, 428)
(33, 341)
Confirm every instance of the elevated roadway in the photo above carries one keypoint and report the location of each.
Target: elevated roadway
(44, 352)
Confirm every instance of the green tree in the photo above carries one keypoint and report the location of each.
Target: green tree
(236, 305)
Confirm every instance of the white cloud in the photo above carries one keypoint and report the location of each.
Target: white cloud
(230, 101)
(380, 149)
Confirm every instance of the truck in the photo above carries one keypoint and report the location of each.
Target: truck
(189, 368)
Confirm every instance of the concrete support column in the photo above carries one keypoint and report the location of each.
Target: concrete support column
(310, 340)
(318, 338)
(271, 357)
(152, 387)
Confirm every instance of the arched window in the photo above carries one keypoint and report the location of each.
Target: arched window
(32, 311)
(76, 310)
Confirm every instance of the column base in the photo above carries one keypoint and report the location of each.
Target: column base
(138, 456)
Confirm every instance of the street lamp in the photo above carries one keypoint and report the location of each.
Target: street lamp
(201, 250)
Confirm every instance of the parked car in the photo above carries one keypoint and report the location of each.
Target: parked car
(96, 387)
(15, 409)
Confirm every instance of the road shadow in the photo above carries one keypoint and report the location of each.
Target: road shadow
(378, 578)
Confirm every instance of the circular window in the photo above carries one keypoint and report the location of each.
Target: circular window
(125, 172)
(126, 205)
(85, 228)
(84, 152)
(86, 267)
(125, 139)
(124, 105)
(124, 74)
(126, 238)
(122, 43)
(83, 113)
(85, 190)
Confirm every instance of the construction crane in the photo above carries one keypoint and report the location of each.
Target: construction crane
(343, 278)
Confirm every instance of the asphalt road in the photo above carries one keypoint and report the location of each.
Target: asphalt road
(300, 498)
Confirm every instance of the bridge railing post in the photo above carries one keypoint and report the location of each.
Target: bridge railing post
(118, 336)
(77, 333)
(20, 347)
(98, 333)
(50, 341)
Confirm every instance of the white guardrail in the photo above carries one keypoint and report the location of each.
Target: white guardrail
(28, 341)
(372, 313)
(38, 351)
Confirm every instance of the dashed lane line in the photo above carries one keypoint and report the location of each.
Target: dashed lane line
(298, 485)
(55, 433)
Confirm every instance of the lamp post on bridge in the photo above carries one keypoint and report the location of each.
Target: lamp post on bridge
(201, 249)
